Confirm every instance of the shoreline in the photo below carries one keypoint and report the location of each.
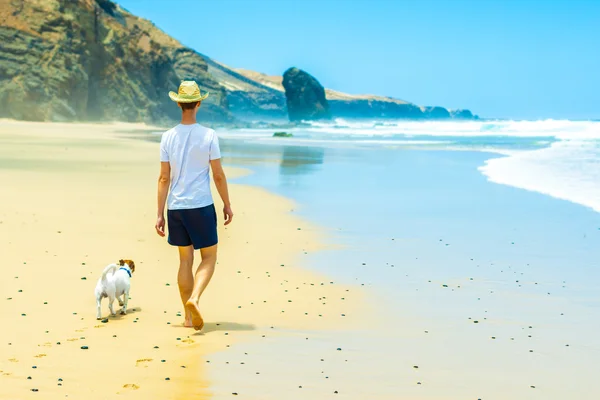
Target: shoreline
(487, 291)
(78, 197)
(464, 289)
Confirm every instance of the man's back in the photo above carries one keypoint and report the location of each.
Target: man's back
(187, 153)
(189, 150)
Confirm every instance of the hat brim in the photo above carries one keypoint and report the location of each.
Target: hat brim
(187, 99)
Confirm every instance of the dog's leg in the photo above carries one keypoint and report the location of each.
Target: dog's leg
(98, 310)
(111, 299)
(121, 301)
(125, 300)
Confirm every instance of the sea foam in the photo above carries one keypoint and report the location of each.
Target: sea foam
(559, 158)
(569, 169)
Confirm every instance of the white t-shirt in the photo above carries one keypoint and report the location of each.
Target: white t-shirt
(189, 149)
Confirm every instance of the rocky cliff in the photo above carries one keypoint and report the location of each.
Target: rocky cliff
(344, 105)
(92, 60)
(305, 97)
(249, 98)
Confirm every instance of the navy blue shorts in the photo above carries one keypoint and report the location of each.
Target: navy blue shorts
(194, 226)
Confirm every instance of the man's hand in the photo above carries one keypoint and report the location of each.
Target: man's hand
(160, 225)
(227, 214)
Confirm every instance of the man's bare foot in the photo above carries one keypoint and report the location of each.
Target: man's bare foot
(197, 321)
(188, 322)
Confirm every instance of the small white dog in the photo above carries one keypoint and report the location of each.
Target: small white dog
(115, 282)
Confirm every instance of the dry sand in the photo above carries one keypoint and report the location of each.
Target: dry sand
(76, 197)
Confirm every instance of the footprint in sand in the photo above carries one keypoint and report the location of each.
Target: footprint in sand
(72, 339)
(187, 341)
(142, 361)
(130, 386)
(13, 360)
(40, 355)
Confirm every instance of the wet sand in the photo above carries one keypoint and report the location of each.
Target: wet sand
(464, 302)
(77, 197)
(483, 291)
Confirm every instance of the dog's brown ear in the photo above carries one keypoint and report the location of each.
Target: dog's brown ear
(130, 263)
(121, 262)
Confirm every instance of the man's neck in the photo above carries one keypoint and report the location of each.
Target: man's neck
(188, 118)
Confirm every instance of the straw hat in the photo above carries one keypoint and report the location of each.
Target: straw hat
(189, 92)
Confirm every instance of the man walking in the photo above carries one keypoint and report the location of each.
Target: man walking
(187, 153)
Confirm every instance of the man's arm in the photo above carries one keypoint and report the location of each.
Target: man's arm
(221, 184)
(164, 180)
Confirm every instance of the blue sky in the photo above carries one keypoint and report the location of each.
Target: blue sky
(521, 59)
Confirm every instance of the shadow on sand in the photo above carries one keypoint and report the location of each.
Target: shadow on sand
(130, 312)
(226, 326)
(219, 326)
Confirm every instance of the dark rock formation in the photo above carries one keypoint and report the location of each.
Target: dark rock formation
(261, 97)
(91, 60)
(462, 114)
(305, 96)
(436, 113)
(374, 109)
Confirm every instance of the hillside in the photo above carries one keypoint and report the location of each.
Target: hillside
(364, 105)
(275, 82)
(92, 60)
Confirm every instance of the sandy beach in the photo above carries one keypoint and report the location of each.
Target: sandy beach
(77, 197)
(446, 295)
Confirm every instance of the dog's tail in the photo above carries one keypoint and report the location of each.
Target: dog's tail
(108, 268)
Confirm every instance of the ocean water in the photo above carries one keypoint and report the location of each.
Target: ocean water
(557, 158)
(444, 223)
(372, 182)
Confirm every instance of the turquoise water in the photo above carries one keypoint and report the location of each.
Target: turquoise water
(437, 244)
(557, 158)
(370, 196)
(477, 244)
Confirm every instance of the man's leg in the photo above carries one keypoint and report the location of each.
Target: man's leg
(203, 275)
(185, 278)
